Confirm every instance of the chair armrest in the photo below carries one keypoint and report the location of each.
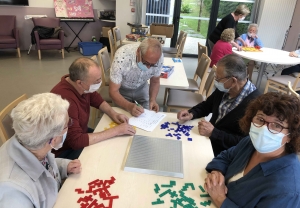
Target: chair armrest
(37, 39)
(16, 36)
(61, 36)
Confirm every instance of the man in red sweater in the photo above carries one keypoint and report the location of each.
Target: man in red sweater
(80, 87)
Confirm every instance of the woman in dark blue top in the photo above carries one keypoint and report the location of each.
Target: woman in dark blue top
(229, 21)
(263, 170)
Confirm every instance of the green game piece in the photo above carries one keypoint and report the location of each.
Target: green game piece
(164, 193)
(191, 185)
(158, 201)
(205, 203)
(202, 189)
(172, 183)
(204, 195)
(209, 202)
(156, 188)
(174, 203)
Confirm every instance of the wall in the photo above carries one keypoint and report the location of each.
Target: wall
(124, 15)
(274, 19)
(45, 7)
(294, 31)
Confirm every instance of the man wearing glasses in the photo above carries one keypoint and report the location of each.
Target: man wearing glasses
(132, 67)
(227, 104)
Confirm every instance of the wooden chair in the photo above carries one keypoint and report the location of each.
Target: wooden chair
(180, 99)
(6, 130)
(292, 91)
(201, 72)
(105, 65)
(179, 50)
(117, 37)
(280, 83)
(173, 50)
(104, 92)
(112, 45)
(201, 49)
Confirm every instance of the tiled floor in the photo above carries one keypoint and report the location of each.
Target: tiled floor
(30, 75)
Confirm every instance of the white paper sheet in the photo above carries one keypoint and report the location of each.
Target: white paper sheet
(148, 120)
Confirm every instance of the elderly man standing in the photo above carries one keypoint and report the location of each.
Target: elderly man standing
(80, 89)
(227, 104)
(133, 65)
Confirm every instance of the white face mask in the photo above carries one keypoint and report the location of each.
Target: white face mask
(241, 19)
(62, 142)
(249, 34)
(93, 88)
(263, 140)
(220, 86)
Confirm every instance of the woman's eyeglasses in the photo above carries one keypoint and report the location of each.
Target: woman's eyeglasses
(273, 127)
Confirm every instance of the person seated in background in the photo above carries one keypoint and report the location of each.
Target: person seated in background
(295, 68)
(80, 87)
(132, 67)
(263, 169)
(227, 104)
(30, 176)
(222, 46)
(251, 40)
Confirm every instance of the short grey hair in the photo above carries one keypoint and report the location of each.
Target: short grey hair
(234, 66)
(39, 118)
(253, 25)
(150, 44)
(79, 68)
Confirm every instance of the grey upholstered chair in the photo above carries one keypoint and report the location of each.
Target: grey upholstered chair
(117, 37)
(9, 34)
(173, 50)
(51, 43)
(280, 83)
(112, 44)
(201, 49)
(179, 99)
(179, 51)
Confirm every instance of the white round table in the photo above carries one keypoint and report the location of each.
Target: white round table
(268, 55)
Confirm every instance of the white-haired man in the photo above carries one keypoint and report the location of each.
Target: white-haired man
(133, 66)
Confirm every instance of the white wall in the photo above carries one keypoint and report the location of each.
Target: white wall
(97, 4)
(124, 15)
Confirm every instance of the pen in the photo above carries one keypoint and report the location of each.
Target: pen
(137, 103)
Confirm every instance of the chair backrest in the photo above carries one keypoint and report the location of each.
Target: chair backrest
(6, 130)
(180, 36)
(202, 71)
(181, 46)
(292, 91)
(201, 49)
(7, 24)
(117, 36)
(46, 22)
(295, 84)
(209, 84)
(105, 64)
(112, 45)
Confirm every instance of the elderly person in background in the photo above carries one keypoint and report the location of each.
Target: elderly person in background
(30, 176)
(229, 21)
(263, 169)
(222, 46)
(132, 67)
(227, 104)
(251, 40)
(295, 68)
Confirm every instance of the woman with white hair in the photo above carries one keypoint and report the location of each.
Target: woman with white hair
(30, 176)
(251, 40)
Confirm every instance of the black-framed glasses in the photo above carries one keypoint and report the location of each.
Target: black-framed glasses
(70, 123)
(146, 63)
(273, 127)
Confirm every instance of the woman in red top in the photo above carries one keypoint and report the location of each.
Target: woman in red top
(222, 46)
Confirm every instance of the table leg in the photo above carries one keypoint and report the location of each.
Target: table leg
(260, 74)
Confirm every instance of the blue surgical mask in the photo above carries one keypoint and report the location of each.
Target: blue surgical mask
(142, 66)
(62, 142)
(220, 86)
(263, 140)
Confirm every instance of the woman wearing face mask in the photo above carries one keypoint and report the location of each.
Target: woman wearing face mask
(30, 176)
(263, 169)
(229, 21)
(251, 40)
